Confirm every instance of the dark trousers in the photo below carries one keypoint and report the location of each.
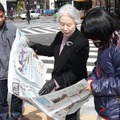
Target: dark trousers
(74, 116)
(28, 19)
(16, 103)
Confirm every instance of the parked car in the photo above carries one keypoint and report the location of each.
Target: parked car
(33, 14)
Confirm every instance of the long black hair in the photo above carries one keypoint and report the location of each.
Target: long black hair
(98, 24)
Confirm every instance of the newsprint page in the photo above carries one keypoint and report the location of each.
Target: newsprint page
(27, 76)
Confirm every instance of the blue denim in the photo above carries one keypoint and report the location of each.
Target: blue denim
(16, 103)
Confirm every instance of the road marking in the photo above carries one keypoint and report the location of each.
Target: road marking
(30, 31)
(41, 30)
(51, 29)
(92, 60)
(93, 49)
(93, 53)
(48, 75)
(52, 58)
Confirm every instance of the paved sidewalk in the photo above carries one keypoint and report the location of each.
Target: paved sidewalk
(87, 112)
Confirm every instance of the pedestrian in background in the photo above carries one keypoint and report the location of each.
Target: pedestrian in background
(7, 36)
(70, 50)
(104, 30)
(11, 14)
(28, 16)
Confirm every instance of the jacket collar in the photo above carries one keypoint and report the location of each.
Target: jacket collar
(66, 50)
(3, 26)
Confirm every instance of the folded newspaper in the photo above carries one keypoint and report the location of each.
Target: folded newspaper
(27, 76)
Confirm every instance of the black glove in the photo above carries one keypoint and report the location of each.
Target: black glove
(47, 88)
(33, 45)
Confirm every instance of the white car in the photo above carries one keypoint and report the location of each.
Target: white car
(33, 14)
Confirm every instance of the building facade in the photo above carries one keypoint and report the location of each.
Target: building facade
(110, 5)
(8, 4)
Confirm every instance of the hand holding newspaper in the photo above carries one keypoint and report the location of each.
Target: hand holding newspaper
(27, 76)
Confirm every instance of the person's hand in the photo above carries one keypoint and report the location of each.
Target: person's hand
(33, 45)
(48, 87)
(89, 87)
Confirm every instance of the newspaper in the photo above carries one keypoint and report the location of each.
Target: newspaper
(27, 76)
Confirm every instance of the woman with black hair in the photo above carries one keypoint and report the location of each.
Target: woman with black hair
(104, 81)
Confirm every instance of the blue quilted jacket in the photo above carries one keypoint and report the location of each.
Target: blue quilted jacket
(106, 83)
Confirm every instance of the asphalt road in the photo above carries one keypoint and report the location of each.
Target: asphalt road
(40, 38)
(45, 39)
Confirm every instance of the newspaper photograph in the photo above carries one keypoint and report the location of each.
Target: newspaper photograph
(26, 77)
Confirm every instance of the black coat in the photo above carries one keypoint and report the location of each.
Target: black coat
(28, 15)
(70, 65)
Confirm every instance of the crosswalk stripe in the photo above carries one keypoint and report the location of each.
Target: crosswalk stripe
(52, 58)
(90, 41)
(91, 45)
(30, 31)
(51, 26)
(50, 65)
(48, 75)
(54, 30)
(36, 30)
(41, 30)
(94, 49)
(93, 53)
(91, 60)
(46, 58)
(89, 68)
